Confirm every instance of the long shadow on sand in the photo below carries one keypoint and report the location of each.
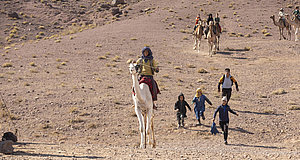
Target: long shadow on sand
(27, 143)
(256, 146)
(224, 53)
(21, 153)
(238, 129)
(253, 112)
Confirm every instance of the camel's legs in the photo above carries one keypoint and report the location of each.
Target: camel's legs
(199, 43)
(289, 32)
(149, 127)
(195, 44)
(142, 128)
(296, 34)
(279, 33)
(218, 40)
(152, 129)
(145, 128)
(282, 33)
(210, 49)
(215, 48)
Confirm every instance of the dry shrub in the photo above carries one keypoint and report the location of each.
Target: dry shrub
(102, 57)
(92, 126)
(46, 126)
(294, 108)
(74, 110)
(202, 70)
(165, 76)
(264, 31)
(76, 120)
(116, 59)
(7, 65)
(191, 66)
(201, 81)
(269, 112)
(32, 64)
(279, 92)
(177, 67)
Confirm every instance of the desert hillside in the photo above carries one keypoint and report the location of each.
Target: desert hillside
(64, 78)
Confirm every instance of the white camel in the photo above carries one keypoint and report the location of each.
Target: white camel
(295, 23)
(212, 39)
(198, 36)
(143, 107)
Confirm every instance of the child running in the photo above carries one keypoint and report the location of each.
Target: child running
(180, 106)
(199, 104)
(223, 117)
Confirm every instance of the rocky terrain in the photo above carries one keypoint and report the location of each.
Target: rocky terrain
(68, 90)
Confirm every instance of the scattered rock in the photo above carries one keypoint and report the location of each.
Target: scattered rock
(13, 15)
(6, 147)
(115, 11)
(105, 6)
(116, 2)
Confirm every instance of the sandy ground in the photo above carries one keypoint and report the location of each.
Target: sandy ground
(70, 96)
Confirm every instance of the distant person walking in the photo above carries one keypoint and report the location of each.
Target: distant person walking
(224, 117)
(199, 104)
(227, 81)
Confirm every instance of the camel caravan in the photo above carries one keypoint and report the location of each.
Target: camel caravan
(145, 88)
(286, 22)
(212, 33)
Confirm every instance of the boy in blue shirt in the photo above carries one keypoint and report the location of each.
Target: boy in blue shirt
(223, 117)
(199, 104)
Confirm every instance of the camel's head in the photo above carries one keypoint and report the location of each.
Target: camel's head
(133, 68)
(272, 17)
(200, 23)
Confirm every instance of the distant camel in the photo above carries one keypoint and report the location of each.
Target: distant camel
(143, 107)
(198, 36)
(212, 39)
(281, 27)
(295, 23)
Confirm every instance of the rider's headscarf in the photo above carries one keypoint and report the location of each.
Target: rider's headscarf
(149, 57)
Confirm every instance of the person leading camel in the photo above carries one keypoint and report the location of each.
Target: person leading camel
(281, 16)
(147, 67)
(180, 107)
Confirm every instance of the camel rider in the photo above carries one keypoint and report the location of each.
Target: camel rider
(217, 20)
(197, 21)
(147, 68)
(296, 12)
(281, 16)
(210, 18)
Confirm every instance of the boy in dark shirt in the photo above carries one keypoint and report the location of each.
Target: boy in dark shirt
(180, 106)
(223, 117)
